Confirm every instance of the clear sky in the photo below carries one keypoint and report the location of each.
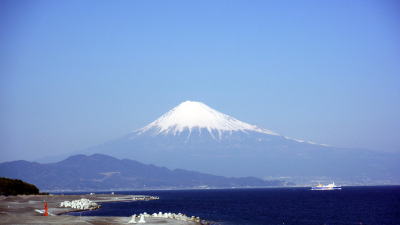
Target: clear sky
(78, 73)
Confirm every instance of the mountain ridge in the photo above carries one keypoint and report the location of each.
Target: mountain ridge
(101, 172)
(246, 152)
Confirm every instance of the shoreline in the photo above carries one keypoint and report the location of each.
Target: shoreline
(21, 209)
(117, 198)
(101, 192)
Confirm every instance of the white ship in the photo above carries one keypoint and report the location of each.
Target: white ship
(321, 187)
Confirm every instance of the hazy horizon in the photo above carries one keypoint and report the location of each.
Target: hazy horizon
(76, 74)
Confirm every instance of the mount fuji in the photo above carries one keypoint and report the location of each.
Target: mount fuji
(196, 137)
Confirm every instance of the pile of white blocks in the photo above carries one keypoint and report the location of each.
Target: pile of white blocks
(178, 216)
(82, 204)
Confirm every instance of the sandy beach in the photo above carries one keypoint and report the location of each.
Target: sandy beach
(21, 210)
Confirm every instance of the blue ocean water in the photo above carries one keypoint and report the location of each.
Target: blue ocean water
(291, 206)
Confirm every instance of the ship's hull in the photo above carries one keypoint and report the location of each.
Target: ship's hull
(325, 188)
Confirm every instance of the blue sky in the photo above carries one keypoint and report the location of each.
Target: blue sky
(78, 73)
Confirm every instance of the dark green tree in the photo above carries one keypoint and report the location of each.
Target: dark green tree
(16, 187)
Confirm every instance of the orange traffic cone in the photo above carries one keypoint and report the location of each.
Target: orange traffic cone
(46, 209)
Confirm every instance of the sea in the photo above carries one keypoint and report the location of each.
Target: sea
(377, 205)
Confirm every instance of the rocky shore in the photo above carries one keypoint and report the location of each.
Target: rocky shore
(27, 209)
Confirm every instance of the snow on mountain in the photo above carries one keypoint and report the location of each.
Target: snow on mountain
(197, 115)
(192, 115)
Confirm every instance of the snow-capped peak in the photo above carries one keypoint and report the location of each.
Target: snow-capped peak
(197, 115)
